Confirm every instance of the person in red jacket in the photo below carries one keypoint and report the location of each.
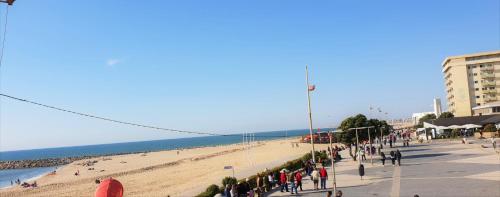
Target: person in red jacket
(283, 181)
(323, 176)
(298, 178)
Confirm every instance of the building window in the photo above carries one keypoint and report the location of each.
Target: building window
(474, 66)
(475, 74)
(477, 96)
(496, 109)
(492, 88)
(475, 81)
(478, 104)
(468, 67)
(480, 66)
(477, 89)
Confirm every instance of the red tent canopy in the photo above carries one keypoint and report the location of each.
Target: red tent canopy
(109, 188)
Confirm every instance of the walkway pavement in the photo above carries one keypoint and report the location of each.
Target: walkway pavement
(435, 169)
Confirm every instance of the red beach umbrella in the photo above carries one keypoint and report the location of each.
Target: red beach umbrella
(109, 188)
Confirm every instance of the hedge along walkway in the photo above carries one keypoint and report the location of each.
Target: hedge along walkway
(344, 179)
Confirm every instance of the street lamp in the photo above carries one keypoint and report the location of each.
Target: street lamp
(333, 163)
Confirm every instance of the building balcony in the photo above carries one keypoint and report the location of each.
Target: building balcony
(487, 68)
(489, 83)
(490, 99)
(489, 91)
(487, 75)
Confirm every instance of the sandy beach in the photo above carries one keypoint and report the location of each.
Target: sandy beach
(166, 173)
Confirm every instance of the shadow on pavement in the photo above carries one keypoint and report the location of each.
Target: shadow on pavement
(414, 150)
(425, 155)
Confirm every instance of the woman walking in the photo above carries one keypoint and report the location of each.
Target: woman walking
(398, 157)
(315, 178)
(291, 179)
(382, 158)
(393, 157)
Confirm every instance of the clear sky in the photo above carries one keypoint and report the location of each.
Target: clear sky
(225, 66)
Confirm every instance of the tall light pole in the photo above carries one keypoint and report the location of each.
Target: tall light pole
(370, 140)
(381, 136)
(310, 115)
(357, 143)
(333, 164)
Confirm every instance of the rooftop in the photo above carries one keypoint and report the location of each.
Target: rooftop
(470, 55)
(488, 105)
(477, 120)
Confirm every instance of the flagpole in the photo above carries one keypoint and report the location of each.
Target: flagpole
(310, 115)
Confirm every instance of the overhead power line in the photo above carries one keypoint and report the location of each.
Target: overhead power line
(127, 123)
(111, 120)
(4, 34)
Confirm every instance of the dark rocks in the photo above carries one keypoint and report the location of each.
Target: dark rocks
(38, 163)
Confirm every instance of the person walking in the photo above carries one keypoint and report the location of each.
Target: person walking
(267, 183)
(298, 178)
(227, 191)
(363, 156)
(283, 181)
(315, 178)
(323, 176)
(271, 180)
(291, 179)
(393, 157)
(234, 191)
(382, 158)
(259, 183)
(398, 157)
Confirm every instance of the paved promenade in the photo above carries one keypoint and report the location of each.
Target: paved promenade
(434, 169)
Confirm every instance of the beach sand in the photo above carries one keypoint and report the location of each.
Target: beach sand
(166, 172)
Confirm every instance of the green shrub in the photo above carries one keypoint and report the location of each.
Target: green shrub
(211, 191)
(290, 165)
(229, 180)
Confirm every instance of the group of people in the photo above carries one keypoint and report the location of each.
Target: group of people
(294, 179)
(286, 181)
(366, 150)
(23, 184)
(240, 189)
(394, 156)
(391, 138)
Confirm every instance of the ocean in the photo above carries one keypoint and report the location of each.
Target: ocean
(120, 148)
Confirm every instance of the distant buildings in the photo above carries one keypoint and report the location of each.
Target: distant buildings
(437, 107)
(416, 116)
(471, 83)
(437, 111)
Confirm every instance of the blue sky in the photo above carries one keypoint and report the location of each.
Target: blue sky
(225, 66)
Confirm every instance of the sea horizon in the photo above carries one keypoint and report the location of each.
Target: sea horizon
(142, 146)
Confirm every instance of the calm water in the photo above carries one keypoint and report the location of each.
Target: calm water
(117, 148)
(6, 176)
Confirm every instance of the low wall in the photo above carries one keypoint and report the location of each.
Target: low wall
(485, 134)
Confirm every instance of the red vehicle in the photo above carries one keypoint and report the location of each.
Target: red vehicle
(319, 137)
